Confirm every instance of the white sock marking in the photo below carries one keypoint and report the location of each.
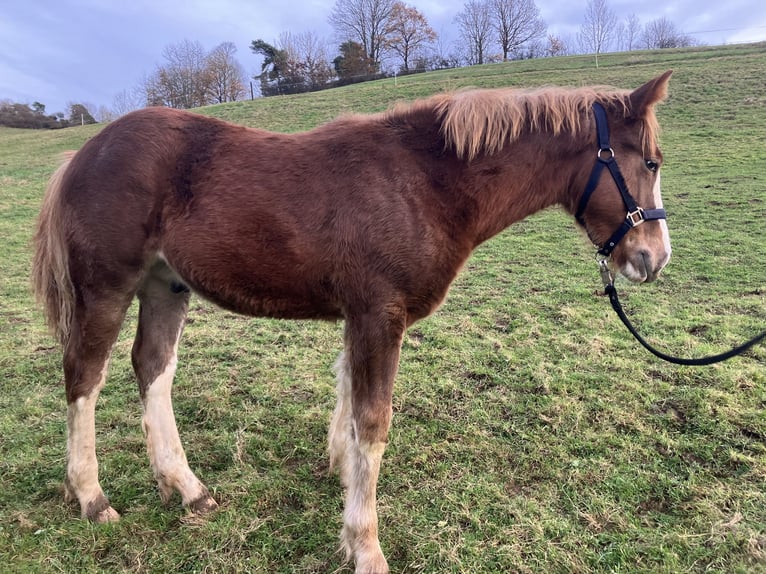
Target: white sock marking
(167, 456)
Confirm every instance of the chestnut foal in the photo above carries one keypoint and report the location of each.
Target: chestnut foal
(366, 219)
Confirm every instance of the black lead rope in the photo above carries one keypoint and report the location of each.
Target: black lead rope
(610, 290)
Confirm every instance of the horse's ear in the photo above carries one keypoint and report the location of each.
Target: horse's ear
(652, 92)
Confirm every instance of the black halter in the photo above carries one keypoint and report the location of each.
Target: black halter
(636, 216)
(605, 157)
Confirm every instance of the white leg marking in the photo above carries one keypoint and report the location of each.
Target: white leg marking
(167, 456)
(341, 430)
(359, 466)
(82, 465)
(360, 518)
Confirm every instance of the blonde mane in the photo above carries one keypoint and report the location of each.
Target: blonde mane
(484, 121)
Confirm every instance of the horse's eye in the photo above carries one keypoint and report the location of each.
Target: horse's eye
(652, 165)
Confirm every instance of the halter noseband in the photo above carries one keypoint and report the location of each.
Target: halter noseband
(605, 157)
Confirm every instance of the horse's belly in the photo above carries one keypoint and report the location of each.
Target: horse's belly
(279, 293)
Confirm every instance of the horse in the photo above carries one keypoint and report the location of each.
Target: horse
(365, 219)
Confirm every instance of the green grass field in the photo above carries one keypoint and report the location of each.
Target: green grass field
(530, 432)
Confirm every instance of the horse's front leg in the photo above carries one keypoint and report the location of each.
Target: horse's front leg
(359, 429)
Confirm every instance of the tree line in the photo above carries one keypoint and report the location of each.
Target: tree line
(375, 38)
(15, 115)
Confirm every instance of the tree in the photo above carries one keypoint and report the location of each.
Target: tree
(22, 116)
(662, 33)
(443, 55)
(297, 64)
(631, 32)
(79, 115)
(353, 64)
(307, 58)
(516, 22)
(598, 28)
(184, 81)
(364, 22)
(128, 100)
(227, 77)
(408, 33)
(556, 46)
(105, 114)
(475, 29)
(190, 78)
(273, 67)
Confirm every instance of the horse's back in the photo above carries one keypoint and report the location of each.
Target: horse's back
(293, 226)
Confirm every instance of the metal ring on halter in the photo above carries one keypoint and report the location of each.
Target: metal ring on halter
(605, 150)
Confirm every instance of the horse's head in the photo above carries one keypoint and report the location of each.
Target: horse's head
(621, 206)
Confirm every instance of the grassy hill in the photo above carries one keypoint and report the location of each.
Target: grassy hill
(530, 433)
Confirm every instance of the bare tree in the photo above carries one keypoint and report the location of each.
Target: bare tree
(364, 22)
(475, 29)
(627, 34)
(598, 28)
(310, 53)
(127, 101)
(556, 46)
(183, 82)
(439, 53)
(632, 32)
(408, 33)
(516, 22)
(662, 33)
(105, 114)
(226, 75)
(443, 55)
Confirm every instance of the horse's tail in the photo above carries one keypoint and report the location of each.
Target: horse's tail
(50, 270)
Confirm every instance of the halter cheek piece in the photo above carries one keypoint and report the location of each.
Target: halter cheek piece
(605, 158)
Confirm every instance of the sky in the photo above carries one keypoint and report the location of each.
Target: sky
(87, 51)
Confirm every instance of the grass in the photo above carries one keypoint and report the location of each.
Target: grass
(530, 433)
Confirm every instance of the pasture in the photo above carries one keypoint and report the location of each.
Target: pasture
(530, 432)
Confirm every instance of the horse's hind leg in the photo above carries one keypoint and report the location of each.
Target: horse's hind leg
(95, 327)
(164, 302)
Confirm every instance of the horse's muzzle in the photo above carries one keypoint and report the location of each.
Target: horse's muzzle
(644, 266)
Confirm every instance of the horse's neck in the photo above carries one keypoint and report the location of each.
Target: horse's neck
(514, 184)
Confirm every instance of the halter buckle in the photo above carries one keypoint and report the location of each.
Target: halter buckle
(636, 217)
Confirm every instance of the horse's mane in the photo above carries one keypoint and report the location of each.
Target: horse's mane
(479, 121)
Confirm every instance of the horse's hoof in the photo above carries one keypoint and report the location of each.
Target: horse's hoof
(378, 567)
(371, 562)
(100, 512)
(203, 505)
(105, 516)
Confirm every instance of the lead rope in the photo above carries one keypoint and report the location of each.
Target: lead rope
(610, 290)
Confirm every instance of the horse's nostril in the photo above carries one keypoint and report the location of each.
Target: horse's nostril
(646, 259)
(646, 267)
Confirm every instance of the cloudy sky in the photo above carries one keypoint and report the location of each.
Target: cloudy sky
(61, 51)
